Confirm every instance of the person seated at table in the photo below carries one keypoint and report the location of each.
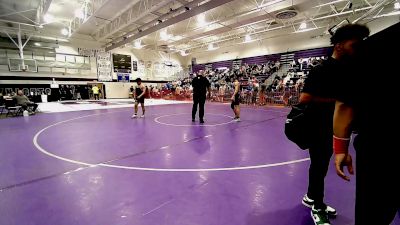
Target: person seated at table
(24, 101)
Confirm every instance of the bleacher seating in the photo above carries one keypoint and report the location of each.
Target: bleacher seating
(257, 75)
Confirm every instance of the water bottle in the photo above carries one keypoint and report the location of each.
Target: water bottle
(25, 113)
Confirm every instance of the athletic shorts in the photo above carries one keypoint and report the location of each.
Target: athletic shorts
(236, 101)
(140, 100)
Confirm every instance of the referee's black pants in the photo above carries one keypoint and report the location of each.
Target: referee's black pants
(198, 100)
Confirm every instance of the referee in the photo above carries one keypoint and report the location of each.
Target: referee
(200, 86)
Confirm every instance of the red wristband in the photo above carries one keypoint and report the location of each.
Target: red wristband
(340, 145)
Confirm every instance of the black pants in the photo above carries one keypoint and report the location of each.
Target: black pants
(198, 100)
(320, 155)
(33, 105)
(377, 186)
(96, 96)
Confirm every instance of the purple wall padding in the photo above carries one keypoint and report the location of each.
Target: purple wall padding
(261, 59)
(220, 64)
(312, 53)
(198, 67)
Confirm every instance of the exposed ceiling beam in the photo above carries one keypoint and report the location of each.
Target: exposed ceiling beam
(329, 3)
(14, 12)
(375, 8)
(42, 9)
(183, 2)
(46, 6)
(282, 4)
(232, 26)
(156, 13)
(166, 16)
(183, 16)
(267, 29)
(26, 24)
(34, 22)
(367, 2)
(276, 4)
(20, 13)
(95, 8)
(130, 16)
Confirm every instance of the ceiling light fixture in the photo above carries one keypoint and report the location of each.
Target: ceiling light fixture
(397, 5)
(64, 31)
(305, 30)
(201, 19)
(37, 44)
(48, 18)
(138, 44)
(303, 26)
(330, 3)
(247, 38)
(177, 38)
(164, 35)
(183, 53)
(212, 47)
(80, 14)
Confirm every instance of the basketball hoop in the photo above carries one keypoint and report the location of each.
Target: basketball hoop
(22, 65)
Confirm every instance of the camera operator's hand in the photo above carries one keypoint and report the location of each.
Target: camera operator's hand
(344, 160)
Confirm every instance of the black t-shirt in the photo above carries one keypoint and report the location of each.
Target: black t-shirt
(372, 89)
(200, 85)
(373, 93)
(322, 82)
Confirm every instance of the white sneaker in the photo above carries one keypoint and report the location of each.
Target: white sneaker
(320, 217)
(237, 120)
(142, 116)
(134, 116)
(308, 202)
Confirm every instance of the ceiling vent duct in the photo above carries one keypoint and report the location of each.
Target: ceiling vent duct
(286, 14)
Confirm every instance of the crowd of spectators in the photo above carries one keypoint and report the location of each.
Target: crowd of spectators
(260, 84)
(306, 64)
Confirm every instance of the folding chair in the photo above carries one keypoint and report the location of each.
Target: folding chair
(2, 107)
(12, 108)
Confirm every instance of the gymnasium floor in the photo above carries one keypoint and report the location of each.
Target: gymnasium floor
(102, 167)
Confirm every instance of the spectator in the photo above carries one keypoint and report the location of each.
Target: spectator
(95, 91)
(24, 101)
(131, 90)
(261, 94)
